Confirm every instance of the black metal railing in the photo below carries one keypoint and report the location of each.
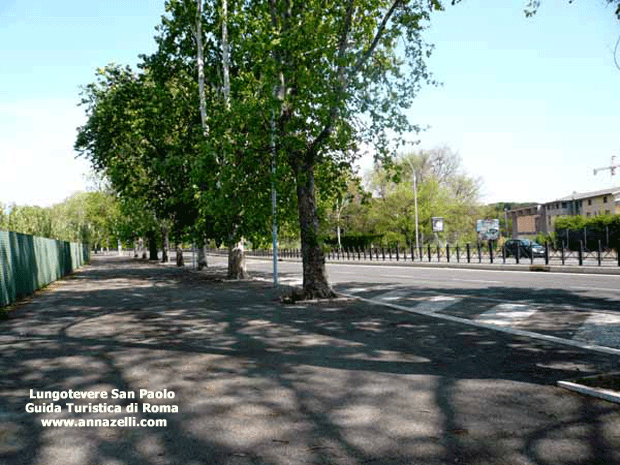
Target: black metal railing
(453, 253)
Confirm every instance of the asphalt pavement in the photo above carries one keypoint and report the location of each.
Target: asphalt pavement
(346, 381)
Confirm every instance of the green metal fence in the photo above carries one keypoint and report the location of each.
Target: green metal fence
(29, 262)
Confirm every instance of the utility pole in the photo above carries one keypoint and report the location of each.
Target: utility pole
(611, 168)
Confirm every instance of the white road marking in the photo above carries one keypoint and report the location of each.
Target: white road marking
(505, 314)
(601, 329)
(437, 303)
(508, 330)
(393, 295)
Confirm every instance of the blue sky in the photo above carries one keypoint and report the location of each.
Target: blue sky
(530, 104)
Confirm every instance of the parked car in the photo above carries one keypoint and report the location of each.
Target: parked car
(525, 248)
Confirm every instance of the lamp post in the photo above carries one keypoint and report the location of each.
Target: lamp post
(415, 202)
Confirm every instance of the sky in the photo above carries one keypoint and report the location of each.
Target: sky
(531, 105)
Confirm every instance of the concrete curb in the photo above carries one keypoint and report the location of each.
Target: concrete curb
(605, 394)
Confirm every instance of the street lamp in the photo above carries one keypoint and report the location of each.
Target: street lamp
(415, 202)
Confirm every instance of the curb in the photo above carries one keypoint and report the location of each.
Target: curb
(605, 394)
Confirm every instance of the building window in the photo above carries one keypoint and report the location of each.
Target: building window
(607, 212)
(589, 201)
(564, 205)
(604, 199)
(588, 214)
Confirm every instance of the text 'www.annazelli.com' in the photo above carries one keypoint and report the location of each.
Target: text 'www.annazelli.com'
(125, 422)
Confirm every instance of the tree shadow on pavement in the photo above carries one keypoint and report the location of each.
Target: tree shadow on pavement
(255, 381)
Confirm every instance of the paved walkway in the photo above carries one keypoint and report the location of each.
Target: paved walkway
(256, 382)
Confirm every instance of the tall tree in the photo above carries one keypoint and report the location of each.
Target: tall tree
(340, 81)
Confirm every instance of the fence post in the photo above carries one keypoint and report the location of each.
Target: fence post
(518, 254)
(429, 253)
(468, 254)
(438, 255)
(546, 253)
(383, 253)
(412, 251)
(397, 251)
(370, 254)
(607, 236)
(479, 253)
(562, 251)
(364, 251)
(421, 254)
(531, 254)
(599, 252)
(458, 258)
(447, 252)
(491, 251)
(504, 254)
(580, 253)
(390, 252)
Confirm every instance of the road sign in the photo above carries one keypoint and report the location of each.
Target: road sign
(437, 222)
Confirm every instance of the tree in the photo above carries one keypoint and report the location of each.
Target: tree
(443, 189)
(533, 6)
(329, 76)
(137, 133)
(339, 81)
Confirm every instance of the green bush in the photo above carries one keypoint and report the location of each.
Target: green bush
(570, 231)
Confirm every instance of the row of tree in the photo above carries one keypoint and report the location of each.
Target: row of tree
(243, 99)
(95, 218)
(243, 96)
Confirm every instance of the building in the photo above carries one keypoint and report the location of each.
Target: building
(602, 202)
(526, 220)
(531, 219)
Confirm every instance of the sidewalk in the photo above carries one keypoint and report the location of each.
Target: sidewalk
(258, 382)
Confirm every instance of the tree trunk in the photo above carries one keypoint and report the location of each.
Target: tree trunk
(165, 244)
(202, 255)
(179, 250)
(200, 62)
(236, 261)
(315, 285)
(152, 245)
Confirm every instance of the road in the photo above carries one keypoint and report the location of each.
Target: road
(524, 285)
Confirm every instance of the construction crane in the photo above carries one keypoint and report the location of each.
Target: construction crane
(611, 168)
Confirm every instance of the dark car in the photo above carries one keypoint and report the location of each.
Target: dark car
(524, 247)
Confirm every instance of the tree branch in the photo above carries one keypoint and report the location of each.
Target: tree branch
(364, 58)
(339, 90)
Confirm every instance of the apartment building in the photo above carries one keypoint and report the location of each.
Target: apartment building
(535, 218)
(602, 202)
